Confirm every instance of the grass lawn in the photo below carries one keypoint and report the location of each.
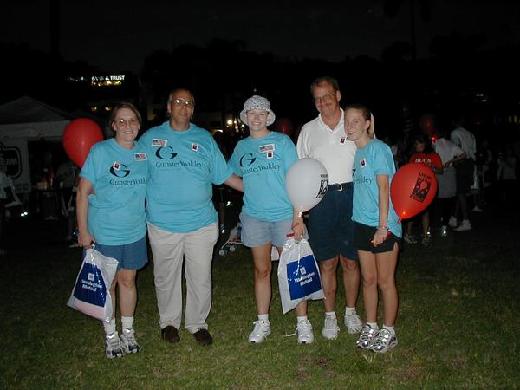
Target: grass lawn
(458, 324)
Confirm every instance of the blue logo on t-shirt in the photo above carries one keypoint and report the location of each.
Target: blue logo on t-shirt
(119, 170)
(247, 160)
(165, 153)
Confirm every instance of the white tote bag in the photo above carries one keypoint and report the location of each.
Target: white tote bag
(91, 292)
(298, 274)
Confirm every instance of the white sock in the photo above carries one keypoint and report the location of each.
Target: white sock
(350, 310)
(390, 328)
(330, 314)
(300, 319)
(110, 327)
(127, 323)
(373, 325)
(263, 317)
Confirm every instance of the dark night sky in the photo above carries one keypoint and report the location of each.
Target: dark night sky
(116, 36)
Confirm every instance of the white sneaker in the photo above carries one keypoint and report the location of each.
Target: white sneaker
(113, 347)
(128, 341)
(444, 231)
(304, 332)
(353, 323)
(367, 337)
(261, 330)
(453, 222)
(330, 328)
(384, 341)
(465, 226)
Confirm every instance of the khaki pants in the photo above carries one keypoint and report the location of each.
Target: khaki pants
(169, 251)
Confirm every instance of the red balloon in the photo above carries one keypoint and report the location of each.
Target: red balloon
(285, 126)
(78, 137)
(413, 188)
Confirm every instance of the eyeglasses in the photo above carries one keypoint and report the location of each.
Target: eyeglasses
(324, 98)
(183, 102)
(127, 122)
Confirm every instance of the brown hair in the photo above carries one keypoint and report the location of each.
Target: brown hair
(364, 110)
(121, 105)
(325, 80)
(366, 114)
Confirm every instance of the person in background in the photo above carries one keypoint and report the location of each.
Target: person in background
(66, 181)
(377, 229)
(330, 225)
(184, 161)
(111, 215)
(423, 154)
(465, 167)
(507, 166)
(267, 217)
(6, 197)
(447, 179)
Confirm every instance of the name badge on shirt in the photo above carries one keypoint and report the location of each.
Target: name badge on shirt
(116, 165)
(140, 156)
(195, 147)
(159, 142)
(267, 148)
(363, 163)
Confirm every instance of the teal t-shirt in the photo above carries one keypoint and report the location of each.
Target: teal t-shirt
(182, 166)
(116, 209)
(263, 164)
(372, 160)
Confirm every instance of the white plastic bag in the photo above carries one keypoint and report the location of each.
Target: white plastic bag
(298, 274)
(91, 292)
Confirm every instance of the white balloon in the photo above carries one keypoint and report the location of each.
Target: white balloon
(306, 183)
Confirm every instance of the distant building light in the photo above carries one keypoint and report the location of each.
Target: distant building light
(114, 80)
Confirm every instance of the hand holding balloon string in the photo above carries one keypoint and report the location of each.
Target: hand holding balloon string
(298, 226)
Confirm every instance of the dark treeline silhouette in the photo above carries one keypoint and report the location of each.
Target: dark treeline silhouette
(458, 77)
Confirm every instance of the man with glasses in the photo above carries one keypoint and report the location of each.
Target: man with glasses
(184, 161)
(330, 223)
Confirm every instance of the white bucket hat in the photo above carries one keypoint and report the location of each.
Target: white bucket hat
(257, 102)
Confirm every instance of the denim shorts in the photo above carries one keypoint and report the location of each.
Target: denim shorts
(364, 234)
(257, 233)
(129, 256)
(330, 224)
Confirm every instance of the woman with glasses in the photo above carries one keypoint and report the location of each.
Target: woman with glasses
(111, 215)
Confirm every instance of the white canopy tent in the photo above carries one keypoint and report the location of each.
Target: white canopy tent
(22, 120)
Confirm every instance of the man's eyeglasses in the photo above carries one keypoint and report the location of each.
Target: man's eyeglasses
(183, 102)
(325, 98)
(127, 122)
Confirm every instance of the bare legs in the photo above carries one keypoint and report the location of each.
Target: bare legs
(262, 277)
(378, 270)
(351, 281)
